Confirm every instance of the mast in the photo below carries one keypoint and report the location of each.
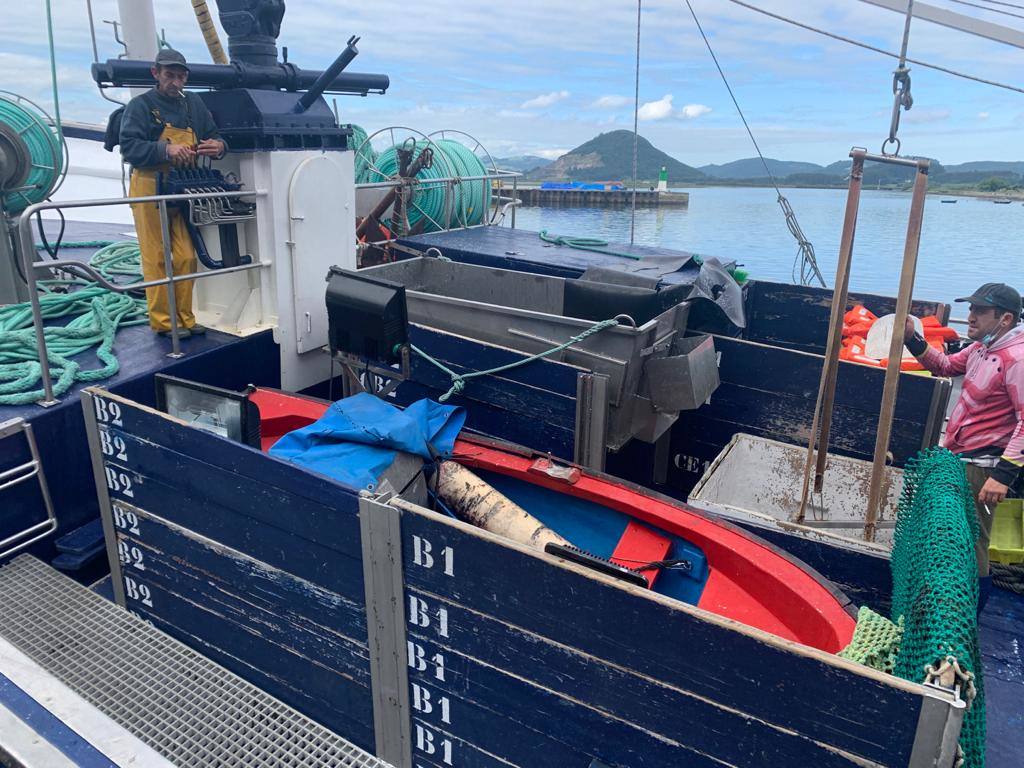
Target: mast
(138, 26)
(958, 21)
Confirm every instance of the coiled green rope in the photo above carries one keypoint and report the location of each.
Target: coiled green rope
(44, 147)
(469, 200)
(364, 153)
(459, 379)
(96, 315)
(585, 244)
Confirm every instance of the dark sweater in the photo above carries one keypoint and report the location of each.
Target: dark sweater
(144, 119)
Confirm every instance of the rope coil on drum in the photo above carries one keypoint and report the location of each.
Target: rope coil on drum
(432, 204)
(32, 154)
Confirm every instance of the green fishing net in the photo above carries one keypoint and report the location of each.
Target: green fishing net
(935, 583)
(875, 642)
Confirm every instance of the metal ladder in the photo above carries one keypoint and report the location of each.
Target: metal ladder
(33, 468)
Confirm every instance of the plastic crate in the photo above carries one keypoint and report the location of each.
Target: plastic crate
(1007, 544)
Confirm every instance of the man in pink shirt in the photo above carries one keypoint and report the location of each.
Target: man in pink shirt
(986, 427)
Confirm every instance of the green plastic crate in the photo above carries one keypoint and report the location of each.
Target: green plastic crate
(1007, 544)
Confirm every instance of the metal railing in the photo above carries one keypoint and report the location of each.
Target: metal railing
(33, 468)
(28, 251)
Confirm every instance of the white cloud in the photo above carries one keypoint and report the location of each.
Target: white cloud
(691, 111)
(923, 116)
(983, 115)
(611, 102)
(545, 100)
(548, 154)
(656, 110)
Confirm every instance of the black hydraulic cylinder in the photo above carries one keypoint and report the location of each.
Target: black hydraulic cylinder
(327, 76)
(132, 73)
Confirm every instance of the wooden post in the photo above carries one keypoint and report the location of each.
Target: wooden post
(892, 372)
(830, 370)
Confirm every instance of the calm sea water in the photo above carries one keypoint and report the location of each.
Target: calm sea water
(962, 245)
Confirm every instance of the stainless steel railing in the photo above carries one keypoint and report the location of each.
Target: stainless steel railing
(28, 251)
(33, 468)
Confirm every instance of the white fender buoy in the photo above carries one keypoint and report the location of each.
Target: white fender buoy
(479, 503)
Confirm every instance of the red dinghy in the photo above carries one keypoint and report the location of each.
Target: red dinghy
(680, 552)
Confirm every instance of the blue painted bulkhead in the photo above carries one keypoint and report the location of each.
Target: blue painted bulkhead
(217, 359)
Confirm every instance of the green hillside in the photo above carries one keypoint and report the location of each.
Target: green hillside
(752, 168)
(609, 157)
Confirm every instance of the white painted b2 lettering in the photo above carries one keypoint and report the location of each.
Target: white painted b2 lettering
(113, 445)
(108, 412)
(136, 591)
(119, 482)
(131, 555)
(126, 520)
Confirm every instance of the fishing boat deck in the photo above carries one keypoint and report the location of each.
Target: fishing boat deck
(1001, 631)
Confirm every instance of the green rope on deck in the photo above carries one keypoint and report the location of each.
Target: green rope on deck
(78, 244)
(459, 379)
(95, 315)
(585, 244)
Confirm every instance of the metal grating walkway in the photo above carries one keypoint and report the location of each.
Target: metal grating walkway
(189, 709)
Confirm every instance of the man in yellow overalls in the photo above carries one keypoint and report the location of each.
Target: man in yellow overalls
(165, 127)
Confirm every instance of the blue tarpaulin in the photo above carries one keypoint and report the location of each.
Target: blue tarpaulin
(357, 439)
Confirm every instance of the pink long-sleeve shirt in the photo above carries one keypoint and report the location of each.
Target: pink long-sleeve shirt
(990, 411)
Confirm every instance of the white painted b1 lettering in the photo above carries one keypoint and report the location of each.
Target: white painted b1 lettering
(427, 743)
(419, 615)
(418, 660)
(422, 701)
(425, 740)
(417, 656)
(119, 482)
(136, 591)
(113, 445)
(422, 555)
(421, 549)
(108, 412)
(125, 520)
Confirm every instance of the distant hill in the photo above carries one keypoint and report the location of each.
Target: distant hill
(995, 167)
(609, 157)
(520, 163)
(751, 168)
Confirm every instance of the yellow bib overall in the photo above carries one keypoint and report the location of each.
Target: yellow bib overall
(151, 244)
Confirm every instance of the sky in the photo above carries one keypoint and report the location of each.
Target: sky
(542, 76)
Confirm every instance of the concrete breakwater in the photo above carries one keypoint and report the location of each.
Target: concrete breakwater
(599, 198)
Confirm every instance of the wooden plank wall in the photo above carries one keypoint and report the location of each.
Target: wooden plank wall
(797, 316)
(514, 658)
(253, 561)
(578, 668)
